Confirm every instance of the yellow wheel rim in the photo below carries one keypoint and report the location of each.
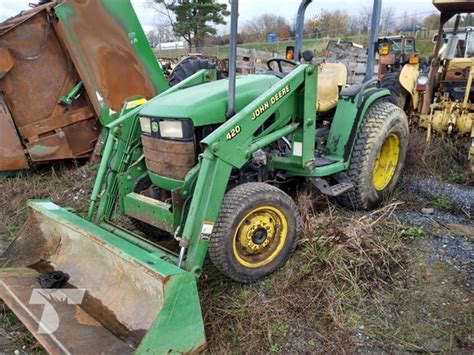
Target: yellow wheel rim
(386, 163)
(260, 236)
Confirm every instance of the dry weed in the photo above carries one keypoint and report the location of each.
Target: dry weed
(342, 256)
(444, 157)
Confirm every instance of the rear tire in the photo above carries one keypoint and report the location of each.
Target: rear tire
(256, 232)
(190, 66)
(378, 156)
(398, 95)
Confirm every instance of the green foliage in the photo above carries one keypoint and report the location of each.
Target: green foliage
(412, 233)
(443, 203)
(193, 18)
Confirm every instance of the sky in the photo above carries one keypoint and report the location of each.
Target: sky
(252, 8)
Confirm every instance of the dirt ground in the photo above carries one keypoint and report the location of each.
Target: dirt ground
(398, 279)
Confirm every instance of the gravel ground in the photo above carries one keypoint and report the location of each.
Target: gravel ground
(451, 235)
(461, 196)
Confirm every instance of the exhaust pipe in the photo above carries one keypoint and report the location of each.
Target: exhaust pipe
(373, 40)
(234, 27)
(299, 30)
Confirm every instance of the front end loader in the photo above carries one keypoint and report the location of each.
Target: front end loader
(203, 168)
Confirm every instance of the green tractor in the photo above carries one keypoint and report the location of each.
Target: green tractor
(202, 167)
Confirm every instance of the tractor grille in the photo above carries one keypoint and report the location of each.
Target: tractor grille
(171, 159)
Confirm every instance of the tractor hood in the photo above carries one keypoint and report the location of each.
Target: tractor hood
(207, 103)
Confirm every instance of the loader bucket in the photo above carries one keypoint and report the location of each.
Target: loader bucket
(119, 295)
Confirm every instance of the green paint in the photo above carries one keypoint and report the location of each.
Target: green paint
(9, 174)
(123, 12)
(268, 108)
(58, 215)
(68, 99)
(206, 104)
(179, 327)
(42, 150)
(165, 182)
(149, 210)
(345, 119)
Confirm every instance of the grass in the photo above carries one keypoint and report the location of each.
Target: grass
(424, 47)
(341, 256)
(443, 157)
(14, 336)
(358, 281)
(67, 185)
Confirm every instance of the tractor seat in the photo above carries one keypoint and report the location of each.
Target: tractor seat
(331, 78)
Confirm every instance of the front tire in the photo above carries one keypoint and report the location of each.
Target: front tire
(378, 156)
(256, 232)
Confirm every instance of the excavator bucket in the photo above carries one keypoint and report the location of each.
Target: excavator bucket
(82, 288)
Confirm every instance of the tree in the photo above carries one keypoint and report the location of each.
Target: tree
(467, 20)
(387, 24)
(260, 27)
(364, 19)
(330, 23)
(192, 19)
(153, 38)
(431, 22)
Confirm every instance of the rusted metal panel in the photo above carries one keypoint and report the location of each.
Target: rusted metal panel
(51, 147)
(172, 159)
(82, 137)
(42, 73)
(455, 6)
(12, 156)
(47, 51)
(6, 62)
(103, 54)
(64, 118)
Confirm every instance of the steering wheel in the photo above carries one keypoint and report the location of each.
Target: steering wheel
(279, 61)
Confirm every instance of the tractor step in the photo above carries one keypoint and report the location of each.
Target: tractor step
(332, 190)
(322, 161)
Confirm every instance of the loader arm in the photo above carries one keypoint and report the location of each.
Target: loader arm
(288, 108)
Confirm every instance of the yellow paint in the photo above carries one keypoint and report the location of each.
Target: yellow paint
(408, 78)
(386, 163)
(331, 78)
(136, 103)
(247, 250)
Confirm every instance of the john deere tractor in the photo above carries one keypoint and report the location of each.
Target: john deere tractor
(203, 166)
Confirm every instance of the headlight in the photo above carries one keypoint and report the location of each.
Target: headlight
(171, 129)
(177, 129)
(422, 80)
(422, 83)
(167, 129)
(145, 124)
